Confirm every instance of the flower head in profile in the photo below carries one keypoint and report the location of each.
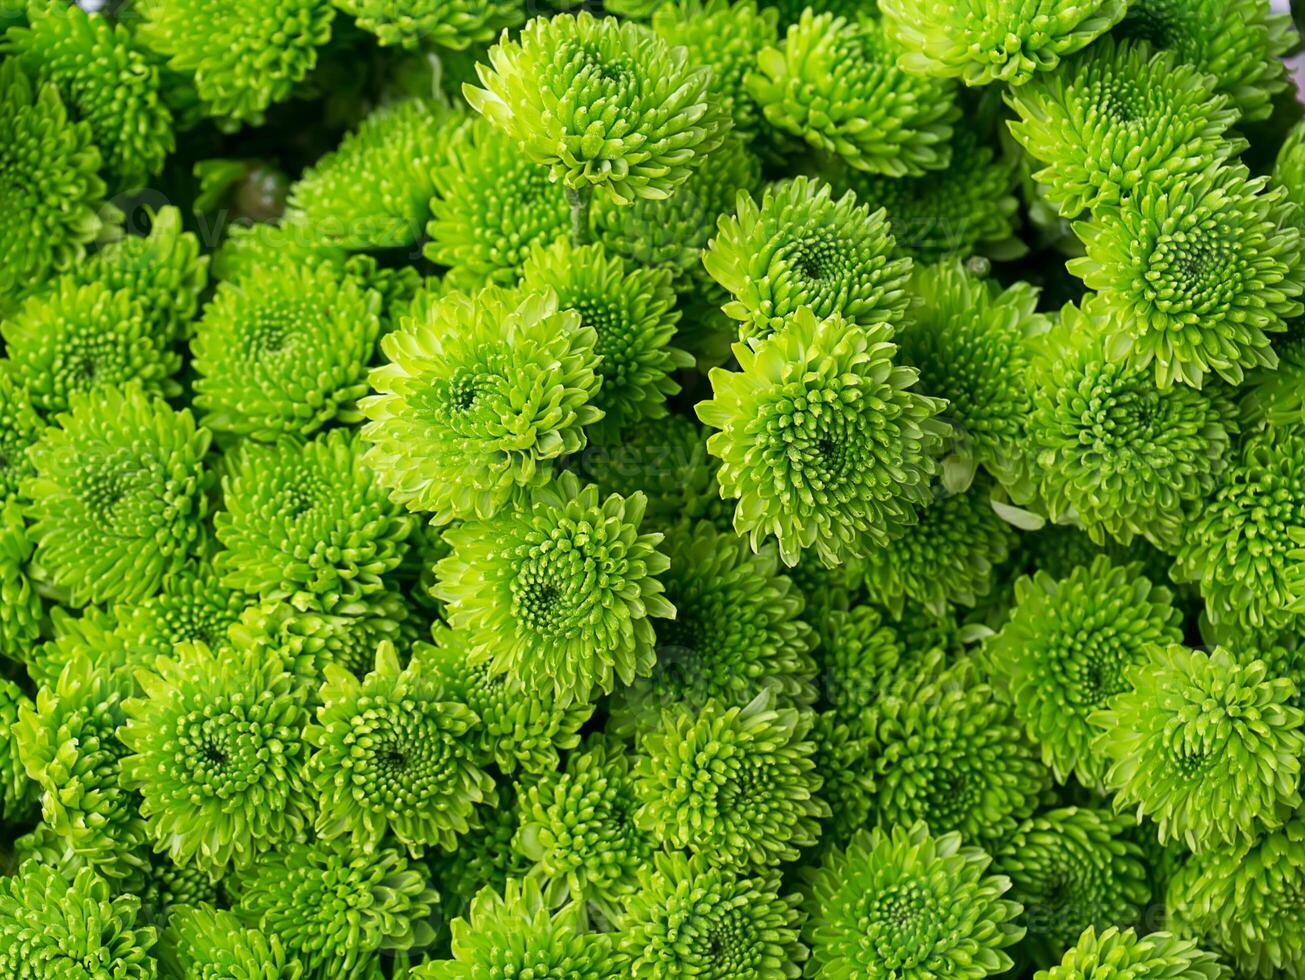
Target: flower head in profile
(1112, 952)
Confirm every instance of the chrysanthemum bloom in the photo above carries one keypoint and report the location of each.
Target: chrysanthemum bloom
(1240, 43)
(17, 791)
(69, 745)
(736, 782)
(516, 934)
(1099, 955)
(823, 441)
(1111, 451)
(118, 496)
(93, 634)
(268, 46)
(986, 41)
(203, 939)
(1289, 167)
(284, 350)
(632, 313)
(898, 902)
(422, 23)
(1197, 272)
(1207, 747)
(560, 593)
(480, 396)
(21, 608)
(20, 427)
(1072, 869)
(192, 607)
(49, 176)
(217, 755)
(106, 80)
(835, 83)
(51, 926)
(691, 917)
(491, 204)
(71, 339)
(391, 754)
(1065, 648)
(374, 189)
(307, 523)
(336, 909)
(803, 248)
(602, 103)
(736, 631)
(577, 827)
(519, 729)
(1116, 118)
(860, 656)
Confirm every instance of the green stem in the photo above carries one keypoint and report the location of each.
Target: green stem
(580, 201)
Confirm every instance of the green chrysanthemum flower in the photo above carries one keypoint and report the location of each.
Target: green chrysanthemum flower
(900, 903)
(217, 755)
(391, 755)
(307, 523)
(601, 103)
(420, 23)
(1111, 451)
(50, 184)
(1066, 647)
(20, 427)
(1238, 42)
(374, 190)
(951, 753)
(1289, 167)
(633, 316)
(1116, 119)
(560, 594)
(1197, 272)
(1207, 747)
(515, 934)
(94, 634)
(480, 396)
(519, 728)
(802, 248)
(1115, 954)
(53, 927)
(577, 827)
(105, 79)
(736, 631)
(118, 495)
(491, 205)
(267, 47)
(738, 783)
(193, 607)
(835, 83)
(17, 792)
(823, 440)
(21, 609)
(73, 338)
(206, 942)
(860, 657)
(692, 918)
(337, 910)
(1072, 869)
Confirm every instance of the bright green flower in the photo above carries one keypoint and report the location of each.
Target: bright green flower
(860, 657)
(692, 918)
(1117, 118)
(105, 79)
(802, 248)
(1207, 747)
(118, 495)
(420, 23)
(94, 635)
(559, 594)
(267, 47)
(1065, 649)
(53, 927)
(20, 427)
(1114, 954)
(204, 942)
(737, 783)
(307, 522)
(632, 313)
(284, 350)
(986, 41)
(835, 83)
(1072, 869)
(392, 755)
(217, 755)
(17, 791)
(1197, 272)
(481, 394)
(21, 608)
(338, 910)
(601, 103)
(823, 440)
(193, 607)
(900, 903)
